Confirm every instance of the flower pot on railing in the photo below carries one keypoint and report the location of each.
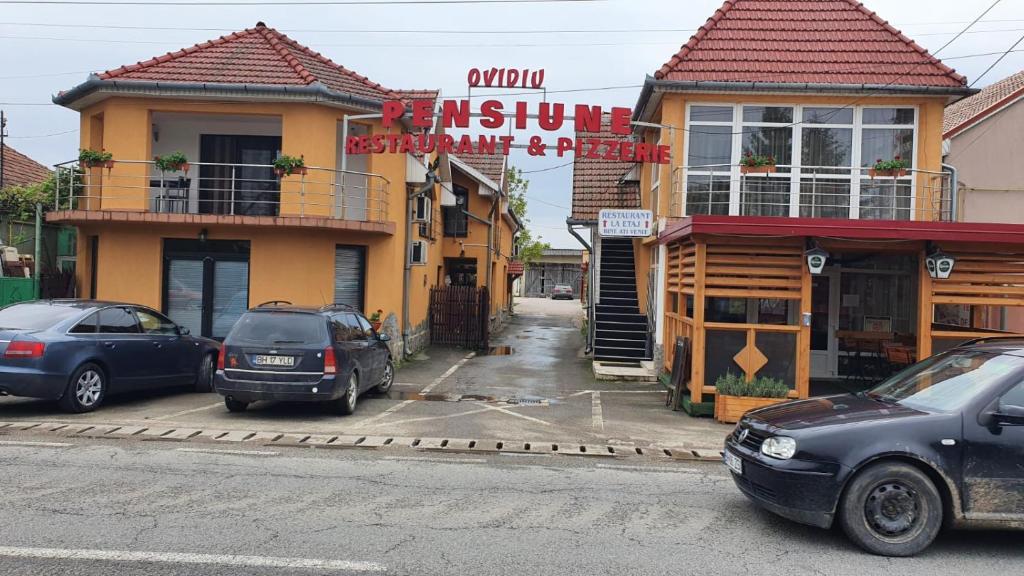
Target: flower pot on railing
(895, 168)
(286, 165)
(376, 320)
(899, 173)
(757, 164)
(175, 162)
(92, 159)
(735, 396)
(766, 169)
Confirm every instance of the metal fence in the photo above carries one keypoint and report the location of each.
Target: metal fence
(460, 316)
(223, 189)
(812, 192)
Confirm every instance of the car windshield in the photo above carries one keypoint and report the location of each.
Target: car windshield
(35, 316)
(277, 328)
(947, 382)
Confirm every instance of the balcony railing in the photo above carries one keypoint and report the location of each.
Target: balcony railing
(811, 192)
(223, 189)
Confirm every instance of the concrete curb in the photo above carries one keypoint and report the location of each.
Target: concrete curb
(360, 442)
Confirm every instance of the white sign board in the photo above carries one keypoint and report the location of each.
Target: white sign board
(624, 223)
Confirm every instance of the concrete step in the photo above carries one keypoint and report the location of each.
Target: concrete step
(636, 372)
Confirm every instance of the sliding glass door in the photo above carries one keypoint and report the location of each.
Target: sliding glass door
(206, 284)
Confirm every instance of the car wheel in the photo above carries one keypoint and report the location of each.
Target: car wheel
(347, 403)
(388, 379)
(204, 378)
(86, 389)
(235, 405)
(891, 509)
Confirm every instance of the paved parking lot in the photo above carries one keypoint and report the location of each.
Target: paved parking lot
(535, 386)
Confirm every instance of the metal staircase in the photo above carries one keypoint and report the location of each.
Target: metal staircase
(621, 330)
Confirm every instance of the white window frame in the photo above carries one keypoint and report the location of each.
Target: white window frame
(856, 173)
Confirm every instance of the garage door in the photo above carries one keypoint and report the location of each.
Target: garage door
(350, 275)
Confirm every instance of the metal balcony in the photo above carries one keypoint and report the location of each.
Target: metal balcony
(811, 192)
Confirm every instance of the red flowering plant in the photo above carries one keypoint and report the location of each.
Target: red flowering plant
(751, 160)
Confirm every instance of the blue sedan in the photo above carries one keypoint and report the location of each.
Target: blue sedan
(79, 351)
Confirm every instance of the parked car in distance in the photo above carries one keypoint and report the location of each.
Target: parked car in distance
(277, 351)
(80, 351)
(562, 292)
(940, 443)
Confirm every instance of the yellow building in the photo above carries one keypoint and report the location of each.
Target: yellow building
(205, 241)
(805, 227)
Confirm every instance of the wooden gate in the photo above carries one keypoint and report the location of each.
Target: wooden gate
(460, 316)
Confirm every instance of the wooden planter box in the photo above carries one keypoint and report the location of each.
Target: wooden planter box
(300, 170)
(108, 164)
(757, 169)
(887, 173)
(729, 409)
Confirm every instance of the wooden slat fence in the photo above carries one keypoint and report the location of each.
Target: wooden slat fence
(459, 316)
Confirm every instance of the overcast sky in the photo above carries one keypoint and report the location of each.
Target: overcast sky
(37, 61)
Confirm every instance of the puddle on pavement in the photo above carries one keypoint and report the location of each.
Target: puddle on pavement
(500, 351)
(525, 400)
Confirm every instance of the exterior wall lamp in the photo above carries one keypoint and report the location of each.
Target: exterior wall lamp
(940, 265)
(203, 235)
(817, 257)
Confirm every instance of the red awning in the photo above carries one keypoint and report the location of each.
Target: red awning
(975, 232)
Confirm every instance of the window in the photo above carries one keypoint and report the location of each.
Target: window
(364, 325)
(153, 323)
(456, 221)
(1014, 398)
(35, 316)
(118, 321)
(87, 326)
(279, 327)
(821, 154)
(346, 328)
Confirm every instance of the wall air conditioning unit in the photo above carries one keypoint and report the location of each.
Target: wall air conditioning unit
(418, 252)
(422, 210)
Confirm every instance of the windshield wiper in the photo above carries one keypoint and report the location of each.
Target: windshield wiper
(287, 341)
(883, 398)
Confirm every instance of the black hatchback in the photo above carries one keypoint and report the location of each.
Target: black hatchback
(941, 443)
(277, 351)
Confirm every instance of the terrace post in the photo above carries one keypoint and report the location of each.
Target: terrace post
(925, 312)
(699, 333)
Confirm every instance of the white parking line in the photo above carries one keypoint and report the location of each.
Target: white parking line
(448, 373)
(427, 418)
(186, 558)
(454, 460)
(28, 444)
(184, 412)
(384, 414)
(231, 452)
(510, 413)
(598, 413)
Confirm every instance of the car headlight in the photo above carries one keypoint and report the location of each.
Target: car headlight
(779, 447)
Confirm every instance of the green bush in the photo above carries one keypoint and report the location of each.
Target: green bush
(760, 387)
(172, 162)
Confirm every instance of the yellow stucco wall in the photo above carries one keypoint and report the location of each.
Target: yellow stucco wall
(285, 264)
(474, 245)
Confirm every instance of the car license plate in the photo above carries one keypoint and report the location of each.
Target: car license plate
(287, 361)
(734, 462)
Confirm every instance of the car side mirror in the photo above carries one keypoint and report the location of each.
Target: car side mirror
(383, 337)
(1009, 415)
(182, 331)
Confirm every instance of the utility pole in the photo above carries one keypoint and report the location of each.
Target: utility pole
(3, 134)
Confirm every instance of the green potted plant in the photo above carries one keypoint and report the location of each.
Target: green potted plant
(735, 395)
(895, 168)
(95, 159)
(757, 164)
(173, 162)
(375, 319)
(286, 165)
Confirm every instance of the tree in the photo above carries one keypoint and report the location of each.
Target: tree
(19, 202)
(528, 248)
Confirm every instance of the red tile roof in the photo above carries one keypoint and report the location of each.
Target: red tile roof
(20, 170)
(965, 113)
(595, 182)
(259, 55)
(804, 41)
(490, 165)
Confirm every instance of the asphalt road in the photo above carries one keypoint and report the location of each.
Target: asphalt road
(154, 509)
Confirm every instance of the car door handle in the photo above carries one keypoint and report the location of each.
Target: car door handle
(157, 345)
(110, 345)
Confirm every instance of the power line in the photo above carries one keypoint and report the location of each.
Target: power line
(280, 2)
(377, 45)
(43, 135)
(998, 60)
(546, 169)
